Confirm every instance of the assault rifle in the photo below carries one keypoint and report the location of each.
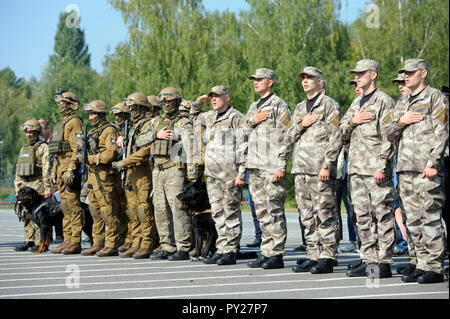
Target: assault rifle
(123, 174)
(84, 155)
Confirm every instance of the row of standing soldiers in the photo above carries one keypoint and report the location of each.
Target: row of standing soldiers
(223, 144)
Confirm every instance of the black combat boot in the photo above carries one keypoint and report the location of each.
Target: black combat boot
(179, 255)
(412, 277)
(385, 270)
(305, 266)
(358, 271)
(24, 246)
(274, 262)
(213, 259)
(406, 269)
(430, 277)
(258, 262)
(227, 259)
(161, 255)
(324, 266)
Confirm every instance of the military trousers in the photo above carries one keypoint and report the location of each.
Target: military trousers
(99, 190)
(374, 209)
(225, 200)
(318, 214)
(423, 199)
(71, 207)
(31, 229)
(140, 211)
(172, 219)
(268, 197)
(120, 210)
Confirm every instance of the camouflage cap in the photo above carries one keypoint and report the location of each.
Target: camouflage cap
(220, 90)
(262, 73)
(365, 65)
(400, 78)
(413, 65)
(310, 70)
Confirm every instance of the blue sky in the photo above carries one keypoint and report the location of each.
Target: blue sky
(27, 29)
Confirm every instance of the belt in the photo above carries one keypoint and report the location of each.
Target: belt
(165, 166)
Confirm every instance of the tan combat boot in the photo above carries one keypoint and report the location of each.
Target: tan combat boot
(129, 253)
(157, 250)
(107, 251)
(142, 253)
(91, 251)
(124, 247)
(60, 248)
(74, 248)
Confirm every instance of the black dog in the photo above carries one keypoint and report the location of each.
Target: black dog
(195, 197)
(46, 213)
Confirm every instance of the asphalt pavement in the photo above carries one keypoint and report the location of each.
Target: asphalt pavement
(24, 275)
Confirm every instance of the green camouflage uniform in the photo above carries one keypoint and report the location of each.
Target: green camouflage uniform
(38, 178)
(169, 177)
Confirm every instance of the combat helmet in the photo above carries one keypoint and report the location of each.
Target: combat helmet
(120, 108)
(69, 98)
(169, 94)
(97, 106)
(136, 98)
(32, 125)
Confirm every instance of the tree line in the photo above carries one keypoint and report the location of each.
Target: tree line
(179, 43)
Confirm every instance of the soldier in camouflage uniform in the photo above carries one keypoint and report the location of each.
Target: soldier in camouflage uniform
(138, 185)
(315, 132)
(370, 162)
(125, 240)
(267, 121)
(65, 171)
(224, 169)
(155, 106)
(168, 136)
(420, 126)
(102, 150)
(32, 170)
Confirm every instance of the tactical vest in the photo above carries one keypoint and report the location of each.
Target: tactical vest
(163, 147)
(58, 145)
(92, 139)
(26, 163)
(133, 132)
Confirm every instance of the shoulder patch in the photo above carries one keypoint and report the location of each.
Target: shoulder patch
(113, 141)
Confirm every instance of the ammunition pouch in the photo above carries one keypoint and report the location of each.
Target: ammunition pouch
(160, 148)
(58, 147)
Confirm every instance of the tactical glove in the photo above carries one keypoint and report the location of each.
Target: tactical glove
(69, 177)
(119, 165)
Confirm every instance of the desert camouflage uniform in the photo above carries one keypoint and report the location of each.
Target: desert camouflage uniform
(421, 145)
(100, 183)
(223, 164)
(70, 128)
(317, 147)
(169, 177)
(373, 203)
(40, 181)
(138, 188)
(268, 152)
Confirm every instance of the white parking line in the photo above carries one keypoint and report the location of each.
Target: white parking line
(392, 295)
(239, 284)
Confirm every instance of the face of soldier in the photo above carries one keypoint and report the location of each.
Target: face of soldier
(119, 118)
(364, 79)
(169, 107)
(262, 86)
(95, 118)
(310, 84)
(219, 102)
(135, 112)
(414, 79)
(64, 108)
(31, 137)
(403, 88)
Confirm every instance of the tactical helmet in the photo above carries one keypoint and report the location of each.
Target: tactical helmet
(136, 98)
(68, 97)
(31, 125)
(169, 94)
(120, 108)
(154, 101)
(96, 106)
